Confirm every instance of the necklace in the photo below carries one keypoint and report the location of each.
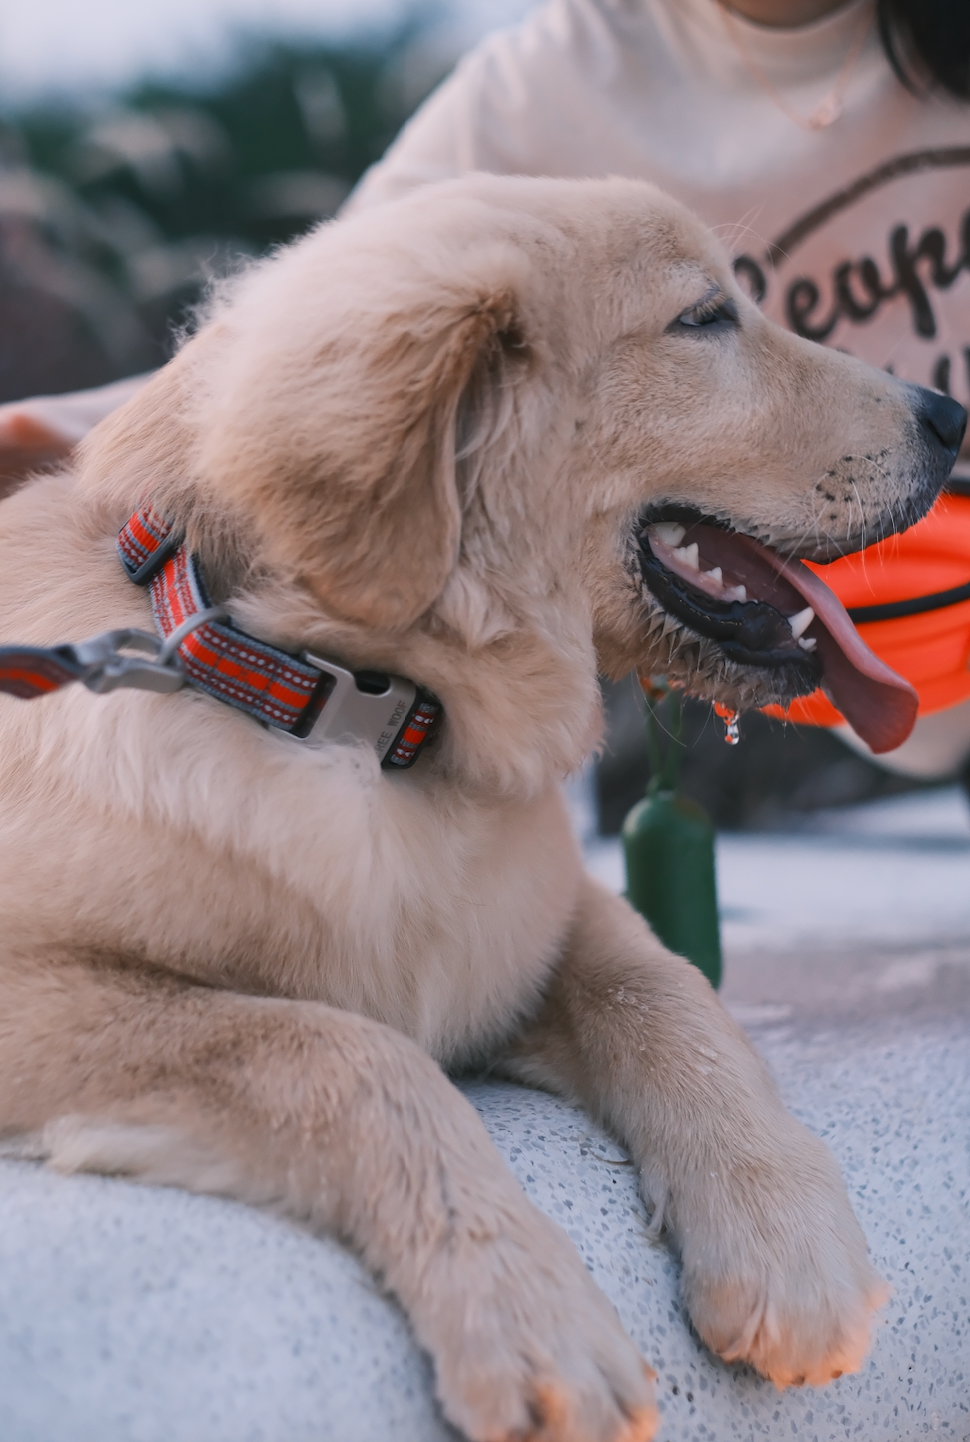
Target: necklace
(829, 108)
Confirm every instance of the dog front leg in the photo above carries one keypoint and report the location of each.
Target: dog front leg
(348, 1126)
(775, 1266)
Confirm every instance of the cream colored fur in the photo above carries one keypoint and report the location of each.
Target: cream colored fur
(419, 440)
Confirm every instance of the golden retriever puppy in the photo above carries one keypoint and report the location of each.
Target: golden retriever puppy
(491, 439)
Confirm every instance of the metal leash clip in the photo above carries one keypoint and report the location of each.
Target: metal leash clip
(100, 663)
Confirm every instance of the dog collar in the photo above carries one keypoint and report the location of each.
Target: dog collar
(306, 696)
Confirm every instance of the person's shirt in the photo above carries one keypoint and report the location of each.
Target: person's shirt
(857, 234)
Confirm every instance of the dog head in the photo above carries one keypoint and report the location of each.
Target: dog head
(505, 431)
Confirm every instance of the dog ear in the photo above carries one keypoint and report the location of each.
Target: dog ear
(361, 501)
(335, 461)
(143, 449)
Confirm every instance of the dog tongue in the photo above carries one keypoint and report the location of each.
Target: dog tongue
(879, 705)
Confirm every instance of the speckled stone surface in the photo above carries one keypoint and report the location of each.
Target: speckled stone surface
(129, 1314)
(885, 1105)
(136, 1315)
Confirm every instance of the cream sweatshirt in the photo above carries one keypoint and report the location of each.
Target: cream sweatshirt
(857, 235)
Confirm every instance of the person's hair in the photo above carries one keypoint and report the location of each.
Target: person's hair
(928, 43)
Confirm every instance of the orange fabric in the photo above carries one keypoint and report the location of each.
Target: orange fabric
(931, 650)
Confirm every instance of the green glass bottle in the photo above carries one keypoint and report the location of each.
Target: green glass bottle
(668, 843)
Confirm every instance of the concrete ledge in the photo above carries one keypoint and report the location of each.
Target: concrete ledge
(136, 1315)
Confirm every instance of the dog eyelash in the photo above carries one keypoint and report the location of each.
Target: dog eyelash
(709, 314)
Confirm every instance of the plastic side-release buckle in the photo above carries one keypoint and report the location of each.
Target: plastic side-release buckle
(366, 706)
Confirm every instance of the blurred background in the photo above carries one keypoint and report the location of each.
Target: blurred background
(147, 148)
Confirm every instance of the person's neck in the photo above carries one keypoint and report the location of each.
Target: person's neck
(786, 14)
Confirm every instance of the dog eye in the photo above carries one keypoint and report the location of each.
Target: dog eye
(710, 315)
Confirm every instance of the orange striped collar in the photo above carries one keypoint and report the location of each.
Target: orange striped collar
(303, 696)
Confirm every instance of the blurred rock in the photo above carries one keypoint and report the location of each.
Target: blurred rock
(62, 327)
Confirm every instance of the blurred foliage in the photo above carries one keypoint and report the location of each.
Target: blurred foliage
(113, 215)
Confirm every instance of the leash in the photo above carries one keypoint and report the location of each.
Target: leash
(306, 696)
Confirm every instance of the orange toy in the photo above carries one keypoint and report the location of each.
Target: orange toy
(910, 599)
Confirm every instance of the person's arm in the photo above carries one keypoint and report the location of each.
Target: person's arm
(44, 429)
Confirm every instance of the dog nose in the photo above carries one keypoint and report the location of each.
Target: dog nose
(945, 419)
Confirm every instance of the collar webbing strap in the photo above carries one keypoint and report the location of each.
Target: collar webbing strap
(248, 674)
(31, 671)
(414, 733)
(144, 542)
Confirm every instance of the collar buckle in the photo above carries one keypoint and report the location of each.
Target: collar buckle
(363, 705)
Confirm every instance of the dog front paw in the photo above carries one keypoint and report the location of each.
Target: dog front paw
(776, 1268)
(526, 1347)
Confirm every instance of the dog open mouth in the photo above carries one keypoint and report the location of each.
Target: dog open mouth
(764, 610)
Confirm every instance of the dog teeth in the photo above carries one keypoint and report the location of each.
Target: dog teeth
(807, 643)
(801, 621)
(687, 558)
(669, 532)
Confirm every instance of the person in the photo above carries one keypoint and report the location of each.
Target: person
(45, 429)
(828, 141)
